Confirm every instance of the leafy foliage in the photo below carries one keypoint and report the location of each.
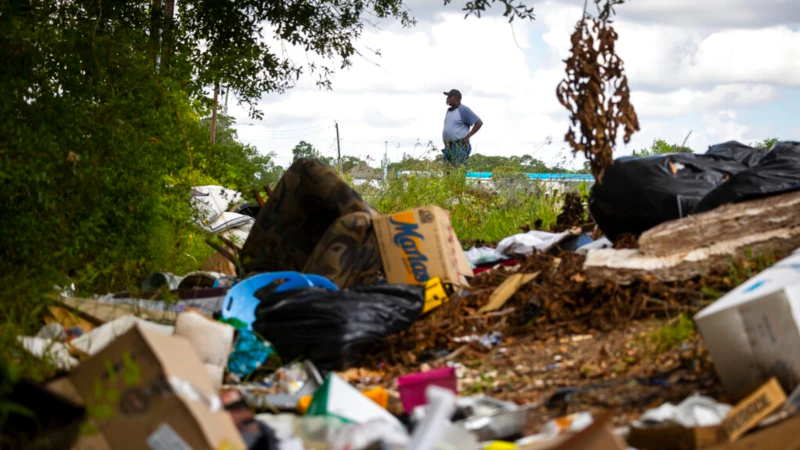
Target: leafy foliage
(766, 144)
(105, 130)
(304, 150)
(661, 147)
(231, 163)
(227, 42)
(483, 163)
(475, 212)
(512, 10)
(672, 334)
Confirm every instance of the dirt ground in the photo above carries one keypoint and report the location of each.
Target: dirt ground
(620, 370)
(562, 346)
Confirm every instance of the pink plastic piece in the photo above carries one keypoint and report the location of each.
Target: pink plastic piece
(412, 386)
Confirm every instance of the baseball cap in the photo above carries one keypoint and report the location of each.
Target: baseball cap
(453, 92)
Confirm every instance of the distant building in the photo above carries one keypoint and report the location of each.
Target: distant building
(363, 173)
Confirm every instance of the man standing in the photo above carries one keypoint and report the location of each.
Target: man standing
(456, 134)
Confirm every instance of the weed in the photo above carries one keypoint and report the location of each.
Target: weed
(475, 212)
(672, 333)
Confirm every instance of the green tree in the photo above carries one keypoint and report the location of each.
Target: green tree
(304, 150)
(766, 144)
(661, 147)
(102, 131)
(226, 44)
(231, 163)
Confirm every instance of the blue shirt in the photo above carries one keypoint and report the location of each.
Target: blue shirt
(457, 123)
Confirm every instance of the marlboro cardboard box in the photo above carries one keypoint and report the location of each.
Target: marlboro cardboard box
(420, 244)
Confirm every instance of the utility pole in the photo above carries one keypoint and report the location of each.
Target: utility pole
(214, 114)
(339, 149)
(385, 158)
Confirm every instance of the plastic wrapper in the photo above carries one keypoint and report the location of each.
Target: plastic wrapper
(695, 411)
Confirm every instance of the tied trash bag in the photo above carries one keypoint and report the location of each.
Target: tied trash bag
(639, 193)
(776, 173)
(314, 222)
(334, 329)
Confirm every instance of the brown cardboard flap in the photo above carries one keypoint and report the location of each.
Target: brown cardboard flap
(753, 409)
(673, 437)
(146, 385)
(418, 245)
(781, 436)
(743, 417)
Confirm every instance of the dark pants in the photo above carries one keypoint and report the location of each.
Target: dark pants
(456, 153)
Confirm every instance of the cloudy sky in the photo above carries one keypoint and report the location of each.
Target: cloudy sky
(722, 69)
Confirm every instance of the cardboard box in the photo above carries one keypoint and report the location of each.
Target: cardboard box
(95, 441)
(420, 244)
(594, 438)
(673, 437)
(746, 415)
(781, 436)
(752, 410)
(752, 333)
(151, 390)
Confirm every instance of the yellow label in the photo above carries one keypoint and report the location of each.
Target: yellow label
(435, 295)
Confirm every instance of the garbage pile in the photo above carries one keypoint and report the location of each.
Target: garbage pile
(344, 328)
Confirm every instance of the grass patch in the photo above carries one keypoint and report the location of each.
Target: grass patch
(476, 212)
(672, 334)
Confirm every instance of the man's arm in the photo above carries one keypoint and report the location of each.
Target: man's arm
(474, 129)
(470, 118)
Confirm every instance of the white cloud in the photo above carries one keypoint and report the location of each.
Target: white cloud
(685, 101)
(700, 77)
(713, 13)
(671, 57)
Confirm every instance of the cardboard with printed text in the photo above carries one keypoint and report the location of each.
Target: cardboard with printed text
(151, 390)
(420, 244)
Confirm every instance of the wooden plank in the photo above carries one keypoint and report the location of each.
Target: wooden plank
(506, 290)
(726, 223)
(626, 265)
(102, 312)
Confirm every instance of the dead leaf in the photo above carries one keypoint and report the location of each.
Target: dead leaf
(579, 278)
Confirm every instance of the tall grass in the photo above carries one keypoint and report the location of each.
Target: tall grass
(476, 212)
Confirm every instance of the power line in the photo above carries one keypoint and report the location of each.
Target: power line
(297, 136)
(289, 130)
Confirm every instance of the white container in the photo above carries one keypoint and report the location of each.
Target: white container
(753, 332)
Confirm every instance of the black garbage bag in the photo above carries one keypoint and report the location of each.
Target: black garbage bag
(778, 172)
(335, 329)
(639, 193)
